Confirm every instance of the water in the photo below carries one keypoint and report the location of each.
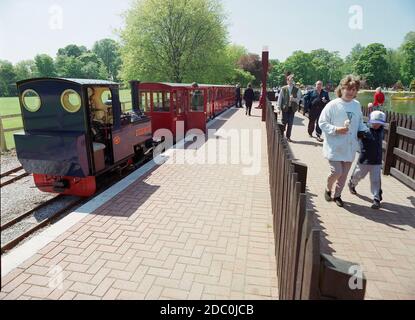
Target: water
(399, 106)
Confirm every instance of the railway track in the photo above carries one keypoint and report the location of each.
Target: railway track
(34, 226)
(50, 218)
(13, 175)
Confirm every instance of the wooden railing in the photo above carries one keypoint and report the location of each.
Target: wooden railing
(125, 106)
(399, 147)
(3, 143)
(303, 271)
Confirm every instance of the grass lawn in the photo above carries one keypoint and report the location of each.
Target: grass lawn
(11, 105)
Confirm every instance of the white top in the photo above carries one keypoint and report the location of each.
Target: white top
(338, 147)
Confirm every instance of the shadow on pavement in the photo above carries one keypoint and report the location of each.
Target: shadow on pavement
(317, 224)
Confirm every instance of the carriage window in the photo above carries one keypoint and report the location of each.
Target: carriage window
(174, 101)
(145, 101)
(31, 100)
(71, 100)
(197, 103)
(161, 101)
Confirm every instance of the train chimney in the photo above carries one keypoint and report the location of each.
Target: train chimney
(135, 96)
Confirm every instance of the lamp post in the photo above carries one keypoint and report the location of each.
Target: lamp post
(265, 65)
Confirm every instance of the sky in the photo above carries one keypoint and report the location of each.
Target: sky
(30, 27)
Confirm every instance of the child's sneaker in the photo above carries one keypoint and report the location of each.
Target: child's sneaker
(352, 188)
(376, 204)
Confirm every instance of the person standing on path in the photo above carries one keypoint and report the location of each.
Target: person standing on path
(238, 96)
(379, 99)
(288, 102)
(249, 99)
(316, 100)
(340, 122)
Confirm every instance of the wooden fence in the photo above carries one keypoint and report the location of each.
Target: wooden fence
(3, 143)
(303, 272)
(3, 131)
(399, 147)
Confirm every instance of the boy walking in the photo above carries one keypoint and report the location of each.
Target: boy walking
(370, 160)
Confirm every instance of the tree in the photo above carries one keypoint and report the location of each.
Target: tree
(328, 66)
(276, 75)
(410, 36)
(393, 58)
(7, 79)
(372, 65)
(252, 64)
(408, 62)
(173, 40)
(352, 58)
(44, 66)
(242, 77)
(86, 66)
(69, 66)
(108, 51)
(72, 50)
(300, 63)
(25, 69)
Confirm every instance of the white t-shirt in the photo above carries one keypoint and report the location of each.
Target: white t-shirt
(338, 147)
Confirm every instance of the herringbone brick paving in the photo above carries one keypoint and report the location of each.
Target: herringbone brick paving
(181, 232)
(383, 241)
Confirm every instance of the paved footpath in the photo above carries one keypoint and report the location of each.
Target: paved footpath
(178, 232)
(383, 241)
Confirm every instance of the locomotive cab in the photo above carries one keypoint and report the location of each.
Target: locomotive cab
(75, 131)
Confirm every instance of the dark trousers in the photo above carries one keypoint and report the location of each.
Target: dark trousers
(238, 102)
(288, 121)
(248, 107)
(314, 115)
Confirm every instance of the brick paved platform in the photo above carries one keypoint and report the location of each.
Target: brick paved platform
(383, 241)
(179, 232)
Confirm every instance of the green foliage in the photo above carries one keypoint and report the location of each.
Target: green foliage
(72, 50)
(352, 58)
(372, 65)
(410, 36)
(173, 40)
(408, 62)
(25, 69)
(45, 66)
(7, 79)
(108, 51)
(300, 63)
(276, 74)
(393, 58)
(412, 85)
(86, 66)
(327, 65)
(242, 77)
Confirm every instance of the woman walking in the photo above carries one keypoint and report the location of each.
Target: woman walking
(340, 121)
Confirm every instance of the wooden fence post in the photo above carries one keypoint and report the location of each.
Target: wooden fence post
(392, 135)
(2, 137)
(301, 169)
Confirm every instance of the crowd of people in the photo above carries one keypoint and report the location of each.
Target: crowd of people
(339, 125)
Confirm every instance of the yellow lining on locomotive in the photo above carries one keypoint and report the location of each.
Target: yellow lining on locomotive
(68, 103)
(100, 111)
